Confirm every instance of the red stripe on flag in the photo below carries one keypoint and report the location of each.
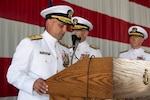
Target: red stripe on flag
(27, 11)
(6, 88)
(142, 2)
(105, 27)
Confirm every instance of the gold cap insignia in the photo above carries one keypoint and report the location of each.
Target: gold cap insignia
(134, 30)
(70, 13)
(75, 21)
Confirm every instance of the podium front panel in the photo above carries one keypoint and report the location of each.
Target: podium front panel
(87, 78)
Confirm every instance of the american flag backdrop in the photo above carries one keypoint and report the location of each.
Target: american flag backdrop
(110, 18)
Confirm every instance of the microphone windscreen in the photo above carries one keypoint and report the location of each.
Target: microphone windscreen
(74, 38)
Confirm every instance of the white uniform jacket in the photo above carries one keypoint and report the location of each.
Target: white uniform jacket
(33, 59)
(84, 50)
(136, 54)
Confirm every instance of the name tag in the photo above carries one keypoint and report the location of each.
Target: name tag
(46, 53)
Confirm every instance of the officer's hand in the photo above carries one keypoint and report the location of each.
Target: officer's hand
(40, 86)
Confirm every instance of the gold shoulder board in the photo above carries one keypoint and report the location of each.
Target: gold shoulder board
(63, 44)
(123, 51)
(35, 37)
(147, 51)
(70, 47)
(94, 47)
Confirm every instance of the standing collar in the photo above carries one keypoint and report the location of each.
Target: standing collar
(135, 50)
(83, 43)
(49, 38)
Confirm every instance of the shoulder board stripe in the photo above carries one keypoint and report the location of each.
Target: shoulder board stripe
(94, 47)
(63, 44)
(147, 51)
(123, 51)
(35, 37)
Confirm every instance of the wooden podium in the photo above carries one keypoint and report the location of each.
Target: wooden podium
(103, 78)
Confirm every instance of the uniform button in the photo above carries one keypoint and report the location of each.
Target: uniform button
(46, 61)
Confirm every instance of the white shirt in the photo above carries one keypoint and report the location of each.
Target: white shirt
(84, 51)
(136, 54)
(34, 59)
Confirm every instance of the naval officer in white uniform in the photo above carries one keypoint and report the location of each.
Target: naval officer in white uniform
(137, 35)
(40, 56)
(81, 28)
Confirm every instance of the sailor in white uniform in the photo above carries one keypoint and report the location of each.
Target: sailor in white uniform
(39, 57)
(137, 35)
(81, 28)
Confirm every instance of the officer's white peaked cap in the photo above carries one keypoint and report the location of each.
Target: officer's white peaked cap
(138, 31)
(81, 23)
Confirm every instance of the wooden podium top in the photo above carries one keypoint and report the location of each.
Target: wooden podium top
(103, 78)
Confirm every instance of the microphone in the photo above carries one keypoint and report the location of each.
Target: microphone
(75, 40)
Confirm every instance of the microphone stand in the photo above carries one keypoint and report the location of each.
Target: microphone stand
(75, 47)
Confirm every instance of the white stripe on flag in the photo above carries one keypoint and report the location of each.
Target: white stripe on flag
(8, 98)
(12, 32)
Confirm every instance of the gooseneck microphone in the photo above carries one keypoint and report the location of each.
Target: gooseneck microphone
(75, 41)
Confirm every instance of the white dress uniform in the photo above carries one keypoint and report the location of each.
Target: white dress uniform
(39, 56)
(136, 54)
(33, 59)
(84, 50)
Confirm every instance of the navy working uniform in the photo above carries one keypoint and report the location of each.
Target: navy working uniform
(37, 56)
(140, 53)
(84, 50)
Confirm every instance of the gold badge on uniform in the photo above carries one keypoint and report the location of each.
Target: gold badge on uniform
(65, 58)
